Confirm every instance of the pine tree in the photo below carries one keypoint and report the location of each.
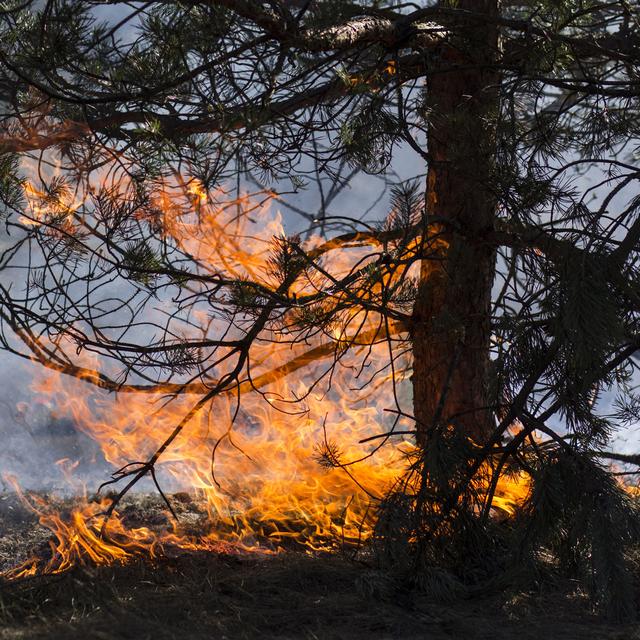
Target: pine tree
(525, 120)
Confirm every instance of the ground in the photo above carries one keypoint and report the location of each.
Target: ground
(291, 595)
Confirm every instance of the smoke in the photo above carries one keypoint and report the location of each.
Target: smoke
(38, 444)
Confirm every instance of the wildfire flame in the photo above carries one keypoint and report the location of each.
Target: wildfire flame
(278, 473)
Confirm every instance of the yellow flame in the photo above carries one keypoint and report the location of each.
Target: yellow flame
(268, 486)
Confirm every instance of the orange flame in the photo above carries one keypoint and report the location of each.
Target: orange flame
(267, 485)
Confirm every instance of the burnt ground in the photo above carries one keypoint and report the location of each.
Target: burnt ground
(292, 595)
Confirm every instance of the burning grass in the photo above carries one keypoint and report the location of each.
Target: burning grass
(65, 533)
(280, 461)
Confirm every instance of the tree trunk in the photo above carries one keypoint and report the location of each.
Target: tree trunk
(451, 317)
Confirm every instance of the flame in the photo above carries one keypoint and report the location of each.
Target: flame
(77, 540)
(197, 190)
(55, 206)
(511, 492)
(291, 464)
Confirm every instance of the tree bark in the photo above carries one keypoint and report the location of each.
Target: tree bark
(451, 316)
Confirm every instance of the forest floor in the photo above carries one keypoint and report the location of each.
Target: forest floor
(292, 595)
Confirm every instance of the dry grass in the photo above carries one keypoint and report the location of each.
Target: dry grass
(290, 596)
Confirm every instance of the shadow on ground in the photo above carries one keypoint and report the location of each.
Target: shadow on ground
(291, 596)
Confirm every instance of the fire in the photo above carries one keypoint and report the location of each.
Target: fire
(85, 537)
(53, 206)
(76, 541)
(296, 461)
(196, 189)
(511, 492)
